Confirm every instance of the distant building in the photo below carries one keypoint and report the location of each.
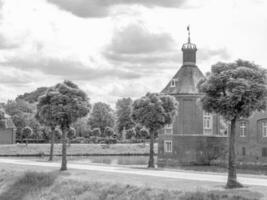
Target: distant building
(196, 136)
(7, 129)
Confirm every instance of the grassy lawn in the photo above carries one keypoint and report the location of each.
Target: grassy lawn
(17, 183)
(74, 149)
(22, 184)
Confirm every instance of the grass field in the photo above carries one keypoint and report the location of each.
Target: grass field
(54, 185)
(74, 149)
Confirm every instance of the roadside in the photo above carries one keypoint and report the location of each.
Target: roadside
(89, 184)
(185, 181)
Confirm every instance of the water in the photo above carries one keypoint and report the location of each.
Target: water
(113, 160)
(108, 160)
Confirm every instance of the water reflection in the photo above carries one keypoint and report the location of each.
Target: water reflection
(113, 160)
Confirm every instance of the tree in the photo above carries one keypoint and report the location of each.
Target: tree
(96, 133)
(20, 111)
(81, 126)
(32, 97)
(45, 116)
(71, 134)
(101, 116)
(123, 114)
(64, 104)
(109, 132)
(26, 133)
(130, 133)
(154, 111)
(234, 91)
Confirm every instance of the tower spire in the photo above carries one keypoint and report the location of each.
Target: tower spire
(189, 51)
(188, 30)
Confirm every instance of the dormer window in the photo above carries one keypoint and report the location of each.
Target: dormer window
(173, 82)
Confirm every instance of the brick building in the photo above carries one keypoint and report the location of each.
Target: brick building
(195, 137)
(7, 129)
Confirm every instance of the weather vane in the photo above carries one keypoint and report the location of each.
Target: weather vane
(188, 30)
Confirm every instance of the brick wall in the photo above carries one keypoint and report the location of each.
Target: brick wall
(7, 136)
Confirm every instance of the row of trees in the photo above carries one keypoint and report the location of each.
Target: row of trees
(232, 90)
(101, 122)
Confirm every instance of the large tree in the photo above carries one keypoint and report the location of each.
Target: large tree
(234, 91)
(45, 116)
(154, 111)
(101, 117)
(67, 103)
(123, 114)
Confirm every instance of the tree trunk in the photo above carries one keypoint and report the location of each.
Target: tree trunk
(232, 180)
(52, 141)
(64, 149)
(151, 151)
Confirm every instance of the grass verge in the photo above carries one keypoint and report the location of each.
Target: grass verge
(34, 185)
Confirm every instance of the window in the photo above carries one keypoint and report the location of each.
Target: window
(264, 129)
(264, 152)
(243, 128)
(207, 123)
(168, 146)
(243, 151)
(173, 82)
(168, 129)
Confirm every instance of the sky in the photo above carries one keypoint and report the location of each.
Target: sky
(121, 48)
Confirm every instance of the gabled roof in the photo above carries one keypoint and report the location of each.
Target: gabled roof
(186, 81)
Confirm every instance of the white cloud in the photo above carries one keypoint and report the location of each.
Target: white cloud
(121, 49)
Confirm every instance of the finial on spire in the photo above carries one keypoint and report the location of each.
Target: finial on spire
(188, 30)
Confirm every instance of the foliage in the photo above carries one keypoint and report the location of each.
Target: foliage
(109, 132)
(33, 96)
(81, 126)
(130, 133)
(123, 114)
(26, 132)
(71, 133)
(96, 132)
(234, 90)
(144, 133)
(63, 105)
(154, 111)
(101, 116)
(21, 112)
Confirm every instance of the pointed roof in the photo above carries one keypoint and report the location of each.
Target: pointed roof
(185, 81)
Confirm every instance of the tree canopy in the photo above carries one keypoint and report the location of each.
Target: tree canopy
(154, 111)
(101, 117)
(123, 114)
(234, 90)
(63, 104)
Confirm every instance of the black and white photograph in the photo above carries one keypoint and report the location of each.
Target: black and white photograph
(133, 100)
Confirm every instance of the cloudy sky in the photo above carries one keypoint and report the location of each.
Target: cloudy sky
(121, 48)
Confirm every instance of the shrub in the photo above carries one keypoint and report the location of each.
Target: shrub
(109, 132)
(79, 140)
(130, 133)
(71, 133)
